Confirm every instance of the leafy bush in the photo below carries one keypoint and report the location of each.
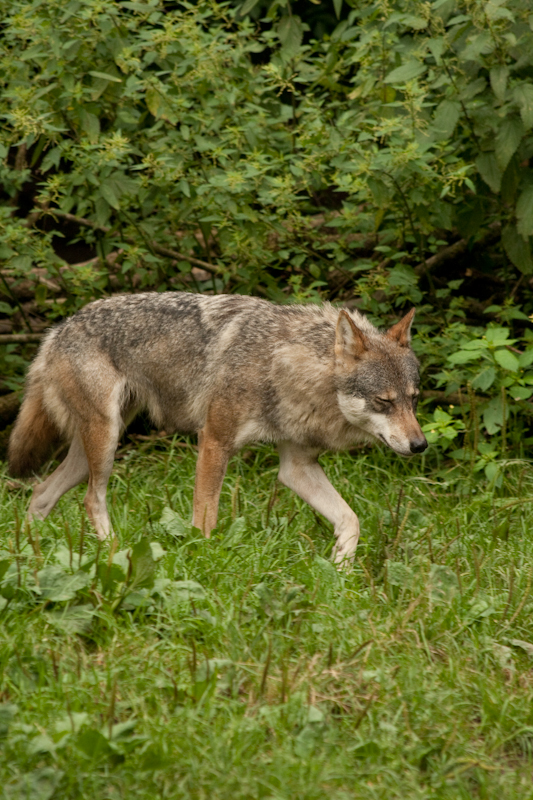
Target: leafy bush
(164, 137)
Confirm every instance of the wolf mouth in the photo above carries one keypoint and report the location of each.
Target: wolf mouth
(394, 450)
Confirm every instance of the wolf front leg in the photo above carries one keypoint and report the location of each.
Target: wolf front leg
(301, 472)
(213, 457)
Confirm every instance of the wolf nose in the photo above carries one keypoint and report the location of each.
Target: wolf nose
(418, 445)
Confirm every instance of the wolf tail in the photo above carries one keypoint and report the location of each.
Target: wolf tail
(34, 434)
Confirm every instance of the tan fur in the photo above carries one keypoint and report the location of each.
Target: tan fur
(233, 369)
(401, 332)
(33, 437)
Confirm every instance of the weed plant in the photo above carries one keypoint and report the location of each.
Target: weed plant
(247, 666)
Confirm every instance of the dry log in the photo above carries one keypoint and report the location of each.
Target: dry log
(163, 251)
(453, 250)
(453, 399)
(20, 338)
(9, 406)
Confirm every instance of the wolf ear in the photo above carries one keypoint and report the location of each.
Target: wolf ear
(401, 332)
(350, 342)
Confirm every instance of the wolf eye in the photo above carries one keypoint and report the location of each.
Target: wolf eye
(385, 400)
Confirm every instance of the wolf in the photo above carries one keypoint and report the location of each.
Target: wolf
(231, 368)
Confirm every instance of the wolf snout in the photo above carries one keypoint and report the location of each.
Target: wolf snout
(418, 445)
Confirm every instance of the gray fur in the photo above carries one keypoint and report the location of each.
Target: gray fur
(237, 368)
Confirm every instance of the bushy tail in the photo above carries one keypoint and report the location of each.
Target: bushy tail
(34, 435)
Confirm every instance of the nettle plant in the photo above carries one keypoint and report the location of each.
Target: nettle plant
(488, 376)
(291, 167)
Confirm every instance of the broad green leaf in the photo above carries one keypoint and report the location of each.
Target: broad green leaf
(442, 416)
(380, 191)
(463, 356)
(153, 99)
(110, 575)
(173, 523)
(498, 81)
(103, 211)
(56, 584)
(184, 186)
(521, 392)
(508, 138)
(71, 722)
(444, 584)
(108, 193)
(408, 71)
(517, 249)
(507, 360)
(493, 415)
(93, 744)
(159, 104)
(495, 10)
(524, 212)
(51, 159)
(475, 344)
(90, 124)
(290, 32)
(189, 590)
(497, 335)
(36, 784)
(143, 565)
(415, 22)
(484, 379)
(445, 120)
(121, 730)
(41, 744)
(437, 47)
(370, 750)
(523, 95)
(526, 358)
(105, 76)
(479, 44)
(398, 574)
(22, 263)
(75, 619)
(248, 6)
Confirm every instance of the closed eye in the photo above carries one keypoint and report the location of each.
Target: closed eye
(385, 400)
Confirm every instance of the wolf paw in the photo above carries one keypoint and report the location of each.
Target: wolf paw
(343, 554)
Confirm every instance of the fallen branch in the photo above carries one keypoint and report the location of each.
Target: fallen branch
(9, 406)
(162, 251)
(453, 399)
(455, 249)
(20, 338)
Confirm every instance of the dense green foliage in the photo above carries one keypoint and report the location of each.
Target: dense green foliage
(246, 666)
(299, 152)
(287, 165)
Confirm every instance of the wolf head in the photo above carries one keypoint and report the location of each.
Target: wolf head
(377, 381)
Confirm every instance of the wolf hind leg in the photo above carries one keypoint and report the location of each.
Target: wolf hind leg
(72, 471)
(100, 438)
(301, 472)
(213, 457)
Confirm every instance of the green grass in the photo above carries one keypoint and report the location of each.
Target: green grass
(246, 666)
